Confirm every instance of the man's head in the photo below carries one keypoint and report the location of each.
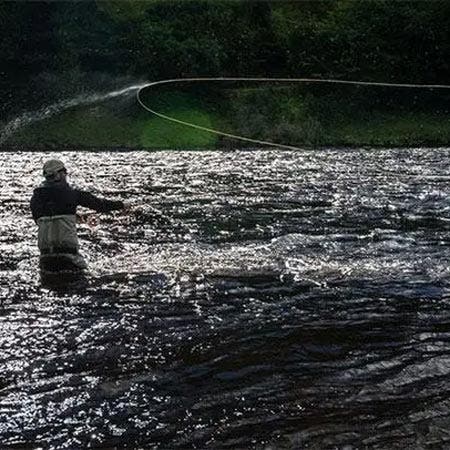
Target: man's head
(54, 170)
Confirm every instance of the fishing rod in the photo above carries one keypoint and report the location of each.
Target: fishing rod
(91, 219)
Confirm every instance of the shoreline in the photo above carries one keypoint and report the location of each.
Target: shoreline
(285, 118)
(124, 149)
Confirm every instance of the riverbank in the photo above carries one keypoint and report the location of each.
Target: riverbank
(282, 115)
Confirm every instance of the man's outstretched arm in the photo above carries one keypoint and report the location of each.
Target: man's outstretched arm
(89, 200)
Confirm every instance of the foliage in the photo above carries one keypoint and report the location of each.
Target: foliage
(375, 40)
(365, 39)
(72, 44)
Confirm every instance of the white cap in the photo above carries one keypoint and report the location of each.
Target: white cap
(52, 167)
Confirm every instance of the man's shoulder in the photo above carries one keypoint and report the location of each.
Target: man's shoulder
(39, 189)
(54, 189)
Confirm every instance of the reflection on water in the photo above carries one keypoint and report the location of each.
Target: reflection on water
(251, 299)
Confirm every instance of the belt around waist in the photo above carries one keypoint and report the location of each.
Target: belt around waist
(56, 250)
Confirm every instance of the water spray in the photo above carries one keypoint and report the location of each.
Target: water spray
(29, 117)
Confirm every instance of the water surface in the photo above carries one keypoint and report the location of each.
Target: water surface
(257, 299)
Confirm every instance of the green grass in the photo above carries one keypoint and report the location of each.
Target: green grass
(160, 133)
(84, 127)
(391, 129)
(157, 132)
(276, 115)
(304, 120)
(103, 126)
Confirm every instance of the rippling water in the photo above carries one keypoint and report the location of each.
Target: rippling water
(259, 299)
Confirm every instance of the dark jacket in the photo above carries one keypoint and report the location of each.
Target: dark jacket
(51, 199)
(54, 206)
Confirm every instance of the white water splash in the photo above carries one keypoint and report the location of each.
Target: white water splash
(33, 116)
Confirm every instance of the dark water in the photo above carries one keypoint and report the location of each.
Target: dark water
(250, 300)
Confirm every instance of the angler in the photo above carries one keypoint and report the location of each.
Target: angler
(53, 206)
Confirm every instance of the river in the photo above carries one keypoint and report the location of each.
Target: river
(250, 299)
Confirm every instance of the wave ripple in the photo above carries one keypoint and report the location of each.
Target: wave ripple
(252, 299)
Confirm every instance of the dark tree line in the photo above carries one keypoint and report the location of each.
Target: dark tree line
(401, 41)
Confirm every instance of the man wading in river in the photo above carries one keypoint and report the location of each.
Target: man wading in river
(53, 206)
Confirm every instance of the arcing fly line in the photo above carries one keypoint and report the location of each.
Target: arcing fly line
(279, 80)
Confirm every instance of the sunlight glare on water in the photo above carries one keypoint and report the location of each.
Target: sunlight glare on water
(250, 299)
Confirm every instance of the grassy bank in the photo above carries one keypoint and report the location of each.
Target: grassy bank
(299, 117)
(341, 118)
(124, 125)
